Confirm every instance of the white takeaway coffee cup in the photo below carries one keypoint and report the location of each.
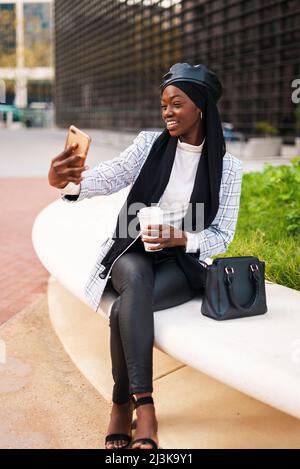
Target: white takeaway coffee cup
(150, 216)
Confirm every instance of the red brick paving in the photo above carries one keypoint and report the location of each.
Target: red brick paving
(22, 276)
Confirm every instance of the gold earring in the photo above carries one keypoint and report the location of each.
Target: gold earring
(200, 114)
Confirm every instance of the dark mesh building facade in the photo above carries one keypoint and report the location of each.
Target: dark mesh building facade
(111, 55)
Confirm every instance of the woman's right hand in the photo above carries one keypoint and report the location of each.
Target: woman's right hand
(66, 167)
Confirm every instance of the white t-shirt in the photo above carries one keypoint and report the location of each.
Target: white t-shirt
(177, 194)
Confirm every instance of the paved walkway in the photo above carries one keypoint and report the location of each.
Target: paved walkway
(45, 402)
(22, 276)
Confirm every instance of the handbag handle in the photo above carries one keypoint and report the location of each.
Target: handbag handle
(229, 280)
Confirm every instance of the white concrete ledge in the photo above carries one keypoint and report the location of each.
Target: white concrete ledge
(259, 356)
(193, 409)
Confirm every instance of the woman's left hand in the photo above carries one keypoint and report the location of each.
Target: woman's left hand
(168, 237)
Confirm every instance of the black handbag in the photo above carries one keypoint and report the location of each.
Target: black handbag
(234, 288)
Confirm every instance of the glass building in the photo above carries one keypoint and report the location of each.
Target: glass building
(111, 55)
(7, 35)
(26, 51)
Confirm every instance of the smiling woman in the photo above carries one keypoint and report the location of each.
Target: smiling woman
(184, 166)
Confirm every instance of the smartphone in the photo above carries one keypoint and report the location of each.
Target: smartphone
(82, 139)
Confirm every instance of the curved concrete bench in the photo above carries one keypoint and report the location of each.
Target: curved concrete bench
(258, 356)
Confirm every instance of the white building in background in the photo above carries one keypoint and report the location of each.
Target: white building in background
(21, 74)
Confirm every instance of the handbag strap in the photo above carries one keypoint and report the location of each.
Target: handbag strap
(229, 281)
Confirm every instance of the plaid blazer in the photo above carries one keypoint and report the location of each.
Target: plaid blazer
(113, 175)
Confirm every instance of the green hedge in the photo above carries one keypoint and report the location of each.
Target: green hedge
(269, 222)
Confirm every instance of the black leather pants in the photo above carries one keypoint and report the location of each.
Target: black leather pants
(146, 282)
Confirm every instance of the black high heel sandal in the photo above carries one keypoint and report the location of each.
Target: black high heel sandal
(112, 437)
(143, 441)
